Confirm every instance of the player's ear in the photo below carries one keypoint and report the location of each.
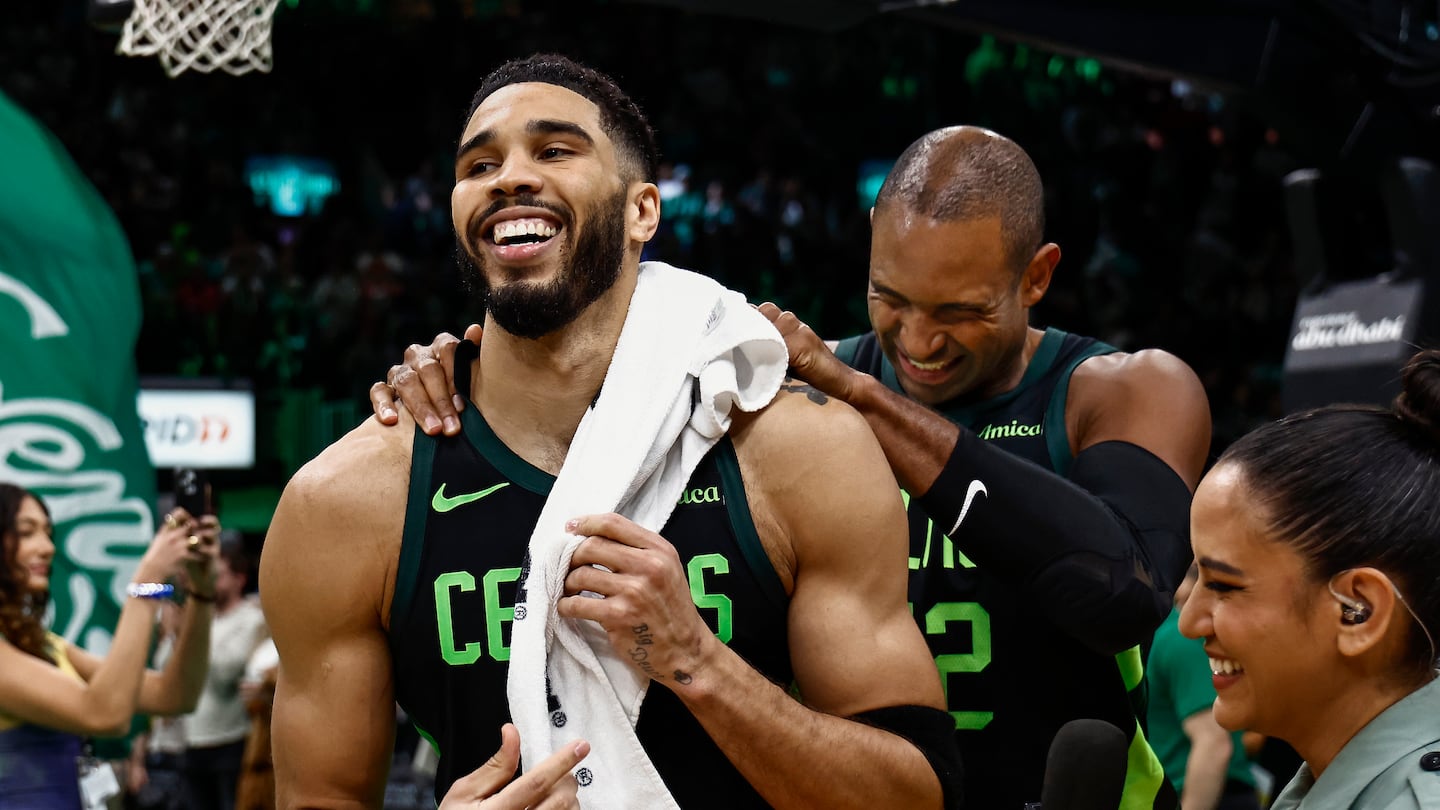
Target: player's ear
(642, 211)
(1035, 278)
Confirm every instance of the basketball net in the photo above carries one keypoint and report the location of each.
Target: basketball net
(203, 35)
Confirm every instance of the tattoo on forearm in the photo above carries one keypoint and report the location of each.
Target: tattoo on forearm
(811, 393)
(640, 655)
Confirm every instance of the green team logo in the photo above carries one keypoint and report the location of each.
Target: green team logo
(442, 503)
(1010, 431)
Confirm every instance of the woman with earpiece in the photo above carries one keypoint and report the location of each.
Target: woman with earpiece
(1318, 543)
(52, 693)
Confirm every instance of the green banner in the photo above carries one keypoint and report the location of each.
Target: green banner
(69, 430)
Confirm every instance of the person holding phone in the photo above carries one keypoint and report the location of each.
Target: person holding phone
(52, 693)
(192, 491)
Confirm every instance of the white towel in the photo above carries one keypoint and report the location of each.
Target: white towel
(633, 454)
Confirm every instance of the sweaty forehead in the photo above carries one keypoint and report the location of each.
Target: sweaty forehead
(514, 105)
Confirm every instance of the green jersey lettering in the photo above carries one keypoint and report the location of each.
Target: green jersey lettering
(721, 603)
(1010, 431)
(495, 614)
(949, 554)
(498, 615)
(936, 622)
(443, 613)
(700, 495)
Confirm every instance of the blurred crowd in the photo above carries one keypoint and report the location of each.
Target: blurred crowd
(1164, 198)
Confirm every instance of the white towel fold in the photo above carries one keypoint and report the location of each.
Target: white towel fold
(633, 454)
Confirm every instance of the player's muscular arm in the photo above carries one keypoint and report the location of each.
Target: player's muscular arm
(326, 570)
(819, 485)
(1150, 399)
(1141, 427)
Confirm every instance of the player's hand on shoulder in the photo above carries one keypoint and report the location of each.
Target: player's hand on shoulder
(424, 381)
(810, 357)
(547, 786)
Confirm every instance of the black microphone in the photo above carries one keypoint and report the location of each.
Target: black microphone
(1085, 769)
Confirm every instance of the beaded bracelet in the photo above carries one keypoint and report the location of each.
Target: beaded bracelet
(150, 590)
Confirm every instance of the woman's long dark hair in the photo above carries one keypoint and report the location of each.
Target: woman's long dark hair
(20, 608)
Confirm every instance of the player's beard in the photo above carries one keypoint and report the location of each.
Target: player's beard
(590, 265)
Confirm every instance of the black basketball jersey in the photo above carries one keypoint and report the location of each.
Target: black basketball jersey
(472, 506)
(1011, 678)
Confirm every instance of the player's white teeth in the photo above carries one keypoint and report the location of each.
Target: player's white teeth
(516, 228)
(927, 366)
(1224, 666)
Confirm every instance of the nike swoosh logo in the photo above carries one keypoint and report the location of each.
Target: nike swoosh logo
(440, 503)
(977, 487)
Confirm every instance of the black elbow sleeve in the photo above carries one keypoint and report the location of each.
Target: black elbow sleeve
(1152, 500)
(933, 732)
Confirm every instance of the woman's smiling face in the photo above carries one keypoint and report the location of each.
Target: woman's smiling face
(34, 547)
(1271, 658)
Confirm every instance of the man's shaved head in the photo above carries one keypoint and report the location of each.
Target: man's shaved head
(965, 173)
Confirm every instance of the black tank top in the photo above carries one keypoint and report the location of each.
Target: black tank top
(1011, 678)
(472, 507)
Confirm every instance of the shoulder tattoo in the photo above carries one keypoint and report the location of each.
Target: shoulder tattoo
(811, 393)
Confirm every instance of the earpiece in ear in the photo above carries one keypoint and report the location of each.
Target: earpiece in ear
(1352, 611)
(1355, 614)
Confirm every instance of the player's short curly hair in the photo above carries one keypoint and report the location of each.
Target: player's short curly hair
(620, 116)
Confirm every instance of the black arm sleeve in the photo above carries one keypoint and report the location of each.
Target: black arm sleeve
(933, 732)
(1099, 554)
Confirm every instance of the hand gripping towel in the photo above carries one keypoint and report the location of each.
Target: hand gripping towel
(690, 352)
